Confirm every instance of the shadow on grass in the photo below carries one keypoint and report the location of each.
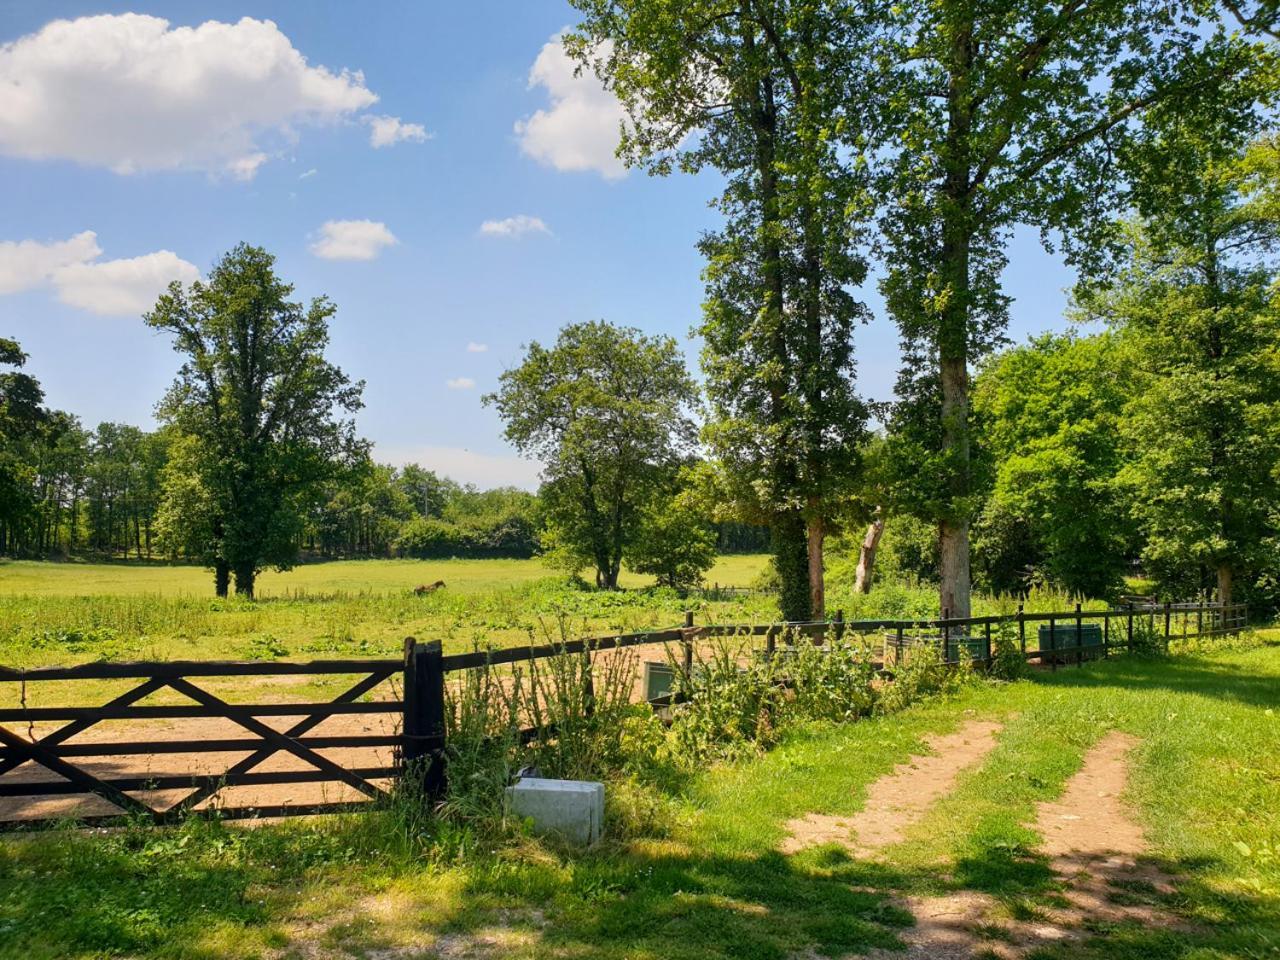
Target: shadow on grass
(1232, 682)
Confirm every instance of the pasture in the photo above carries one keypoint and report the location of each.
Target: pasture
(60, 613)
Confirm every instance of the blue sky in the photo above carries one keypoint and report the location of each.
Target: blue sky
(172, 142)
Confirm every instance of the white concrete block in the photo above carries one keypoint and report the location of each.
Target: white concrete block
(570, 809)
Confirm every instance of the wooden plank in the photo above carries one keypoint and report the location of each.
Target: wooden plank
(296, 731)
(182, 781)
(273, 736)
(280, 740)
(179, 711)
(480, 658)
(85, 781)
(128, 748)
(79, 726)
(170, 816)
(168, 669)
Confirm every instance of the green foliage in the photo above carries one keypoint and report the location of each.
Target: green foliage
(607, 410)
(1193, 301)
(773, 91)
(1050, 415)
(674, 542)
(263, 404)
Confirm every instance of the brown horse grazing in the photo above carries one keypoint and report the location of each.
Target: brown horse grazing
(423, 589)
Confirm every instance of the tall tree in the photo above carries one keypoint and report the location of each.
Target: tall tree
(22, 419)
(1051, 415)
(607, 410)
(1195, 302)
(997, 114)
(764, 91)
(265, 407)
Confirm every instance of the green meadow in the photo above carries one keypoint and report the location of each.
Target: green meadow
(692, 868)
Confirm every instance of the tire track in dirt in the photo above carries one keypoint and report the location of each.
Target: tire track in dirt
(900, 798)
(1094, 846)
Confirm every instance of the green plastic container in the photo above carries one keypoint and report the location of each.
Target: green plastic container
(1063, 637)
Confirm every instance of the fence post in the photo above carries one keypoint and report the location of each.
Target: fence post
(1053, 645)
(1106, 633)
(839, 625)
(898, 654)
(1079, 638)
(1199, 619)
(1022, 633)
(424, 714)
(688, 644)
(946, 635)
(1129, 642)
(987, 640)
(1168, 609)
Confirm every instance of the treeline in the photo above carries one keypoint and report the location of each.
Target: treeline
(68, 491)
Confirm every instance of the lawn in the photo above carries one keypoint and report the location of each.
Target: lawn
(694, 871)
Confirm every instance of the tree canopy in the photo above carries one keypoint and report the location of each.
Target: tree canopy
(607, 410)
(269, 414)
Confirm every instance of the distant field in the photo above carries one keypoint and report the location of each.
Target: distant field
(52, 613)
(342, 576)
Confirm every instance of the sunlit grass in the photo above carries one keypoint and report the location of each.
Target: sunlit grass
(704, 879)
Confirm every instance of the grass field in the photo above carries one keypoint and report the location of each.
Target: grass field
(337, 577)
(696, 872)
(59, 613)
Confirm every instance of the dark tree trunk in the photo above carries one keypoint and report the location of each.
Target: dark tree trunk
(1226, 577)
(221, 577)
(245, 576)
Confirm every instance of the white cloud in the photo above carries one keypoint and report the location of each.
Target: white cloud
(580, 130)
(29, 263)
(474, 347)
(121, 287)
(131, 93)
(71, 268)
(515, 226)
(352, 240)
(385, 131)
(460, 383)
(485, 470)
(309, 174)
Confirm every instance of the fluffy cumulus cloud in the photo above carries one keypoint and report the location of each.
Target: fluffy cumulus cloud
(580, 129)
(352, 240)
(386, 131)
(133, 93)
(72, 269)
(516, 226)
(474, 347)
(460, 383)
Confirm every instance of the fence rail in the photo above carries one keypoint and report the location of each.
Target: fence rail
(418, 738)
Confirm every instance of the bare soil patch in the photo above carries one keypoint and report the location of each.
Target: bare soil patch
(899, 799)
(1096, 848)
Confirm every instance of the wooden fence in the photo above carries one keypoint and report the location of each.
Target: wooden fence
(418, 739)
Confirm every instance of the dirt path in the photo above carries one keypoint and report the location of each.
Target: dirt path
(1095, 847)
(899, 799)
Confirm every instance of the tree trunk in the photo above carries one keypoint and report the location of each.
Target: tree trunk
(221, 577)
(953, 325)
(954, 544)
(245, 576)
(1225, 584)
(867, 556)
(817, 593)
